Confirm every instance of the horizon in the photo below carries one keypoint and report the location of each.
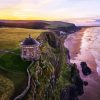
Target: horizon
(80, 12)
(76, 24)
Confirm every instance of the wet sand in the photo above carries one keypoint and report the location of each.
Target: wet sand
(79, 52)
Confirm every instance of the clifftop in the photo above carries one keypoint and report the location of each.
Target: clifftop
(52, 75)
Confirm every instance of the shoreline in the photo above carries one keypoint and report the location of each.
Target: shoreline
(76, 45)
(73, 43)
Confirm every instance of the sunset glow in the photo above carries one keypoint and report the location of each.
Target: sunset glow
(49, 9)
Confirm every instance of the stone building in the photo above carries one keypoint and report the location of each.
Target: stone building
(30, 49)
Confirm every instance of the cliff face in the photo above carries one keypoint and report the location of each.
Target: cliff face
(53, 78)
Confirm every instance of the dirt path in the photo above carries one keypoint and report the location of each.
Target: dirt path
(19, 97)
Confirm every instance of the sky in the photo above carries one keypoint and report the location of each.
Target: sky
(77, 11)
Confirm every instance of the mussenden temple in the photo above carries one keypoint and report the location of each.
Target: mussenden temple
(30, 49)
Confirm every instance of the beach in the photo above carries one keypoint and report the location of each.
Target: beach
(85, 46)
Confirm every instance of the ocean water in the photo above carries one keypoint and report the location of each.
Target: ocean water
(89, 49)
(90, 46)
(85, 46)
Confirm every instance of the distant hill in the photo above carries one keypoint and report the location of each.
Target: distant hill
(23, 24)
(37, 24)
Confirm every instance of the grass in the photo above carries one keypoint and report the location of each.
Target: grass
(13, 62)
(10, 38)
(6, 88)
(15, 80)
(12, 67)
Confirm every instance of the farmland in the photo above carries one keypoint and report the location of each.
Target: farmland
(10, 38)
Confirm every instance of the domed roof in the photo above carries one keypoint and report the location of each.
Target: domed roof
(29, 41)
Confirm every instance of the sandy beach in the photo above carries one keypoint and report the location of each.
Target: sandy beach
(80, 45)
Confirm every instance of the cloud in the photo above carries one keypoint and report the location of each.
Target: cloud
(86, 21)
(8, 3)
(29, 9)
(49, 9)
(36, 3)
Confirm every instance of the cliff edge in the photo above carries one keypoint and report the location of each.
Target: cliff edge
(52, 76)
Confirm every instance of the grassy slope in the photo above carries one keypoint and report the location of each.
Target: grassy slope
(49, 64)
(14, 69)
(16, 81)
(6, 88)
(40, 24)
(56, 24)
(11, 37)
(13, 62)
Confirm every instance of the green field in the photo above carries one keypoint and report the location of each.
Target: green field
(10, 38)
(13, 70)
(13, 62)
(13, 76)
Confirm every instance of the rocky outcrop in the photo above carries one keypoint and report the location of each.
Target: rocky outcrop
(69, 93)
(85, 69)
(75, 89)
(70, 29)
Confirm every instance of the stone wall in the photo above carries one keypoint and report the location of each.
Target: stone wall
(30, 52)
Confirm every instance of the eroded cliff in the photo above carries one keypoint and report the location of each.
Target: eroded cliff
(53, 78)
